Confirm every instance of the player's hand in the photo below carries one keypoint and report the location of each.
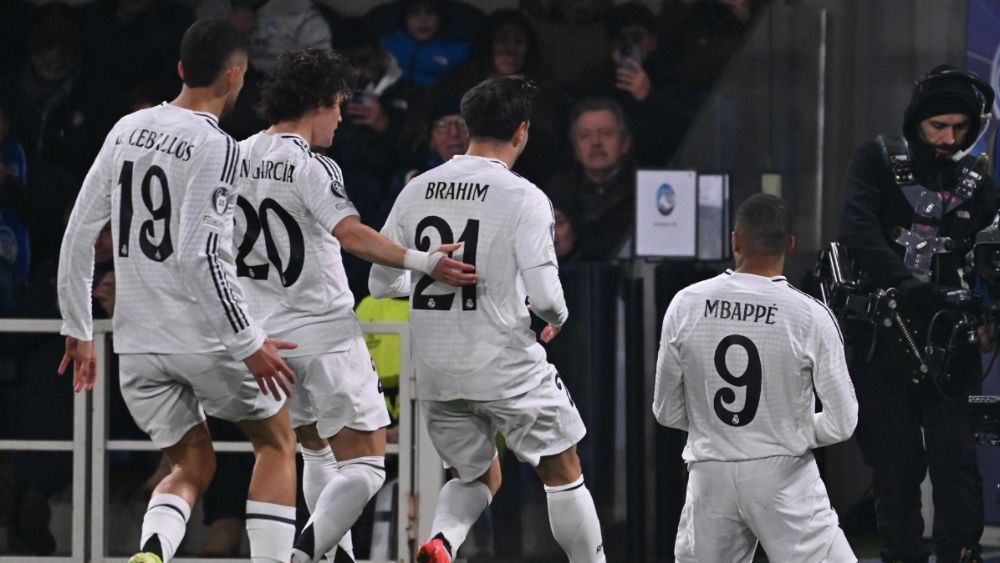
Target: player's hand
(632, 78)
(549, 332)
(451, 271)
(81, 353)
(270, 371)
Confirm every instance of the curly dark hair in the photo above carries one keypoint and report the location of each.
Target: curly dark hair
(303, 81)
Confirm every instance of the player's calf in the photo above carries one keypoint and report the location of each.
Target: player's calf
(572, 515)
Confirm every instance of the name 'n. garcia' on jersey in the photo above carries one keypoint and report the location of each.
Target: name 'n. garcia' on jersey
(163, 178)
(740, 358)
(287, 258)
(475, 342)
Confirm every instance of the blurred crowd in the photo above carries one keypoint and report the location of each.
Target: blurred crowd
(620, 83)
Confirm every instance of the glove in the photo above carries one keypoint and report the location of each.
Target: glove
(924, 296)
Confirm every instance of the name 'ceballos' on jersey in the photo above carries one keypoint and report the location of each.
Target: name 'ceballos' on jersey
(163, 178)
(475, 342)
(287, 258)
(740, 358)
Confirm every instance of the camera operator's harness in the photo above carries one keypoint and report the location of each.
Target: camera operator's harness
(851, 300)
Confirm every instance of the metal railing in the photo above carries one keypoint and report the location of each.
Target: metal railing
(418, 464)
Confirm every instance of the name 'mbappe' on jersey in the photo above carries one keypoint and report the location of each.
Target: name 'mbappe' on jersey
(742, 358)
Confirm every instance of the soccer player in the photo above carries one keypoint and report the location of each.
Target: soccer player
(479, 366)
(295, 217)
(186, 342)
(741, 356)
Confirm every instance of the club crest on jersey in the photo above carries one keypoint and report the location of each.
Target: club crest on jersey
(220, 200)
(337, 187)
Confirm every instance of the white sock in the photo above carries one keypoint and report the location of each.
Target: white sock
(574, 523)
(339, 506)
(319, 467)
(271, 529)
(458, 507)
(164, 525)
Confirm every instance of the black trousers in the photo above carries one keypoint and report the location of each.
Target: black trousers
(893, 410)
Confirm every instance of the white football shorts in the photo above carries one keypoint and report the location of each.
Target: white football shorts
(536, 424)
(337, 389)
(779, 500)
(168, 394)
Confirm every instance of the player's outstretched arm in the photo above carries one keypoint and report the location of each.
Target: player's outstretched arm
(270, 371)
(669, 405)
(81, 353)
(839, 417)
(366, 243)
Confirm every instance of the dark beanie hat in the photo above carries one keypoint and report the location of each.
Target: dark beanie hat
(943, 90)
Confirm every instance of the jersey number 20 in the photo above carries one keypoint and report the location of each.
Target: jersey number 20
(470, 238)
(257, 223)
(751, 379)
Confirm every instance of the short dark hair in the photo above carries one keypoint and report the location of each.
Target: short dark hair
(588, 105)
(206, 48)
(764, 224)
(303, 81)
(494, 108)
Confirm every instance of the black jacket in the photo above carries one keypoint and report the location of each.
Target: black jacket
(874, 206)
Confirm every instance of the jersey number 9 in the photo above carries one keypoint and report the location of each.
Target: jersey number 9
(751, 379)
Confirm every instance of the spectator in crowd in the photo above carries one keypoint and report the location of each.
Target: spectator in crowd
(700, 36)
(565, 234)
(277, 26)
(448, 137)
(54, 110)
(130, 42)
(366, 138)
(507, 45)
(422, 48)
(602, 179)
(659, 107)
(13, 161)
(15, 250)
(572, 42)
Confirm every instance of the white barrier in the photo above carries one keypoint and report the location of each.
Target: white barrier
(418, 465)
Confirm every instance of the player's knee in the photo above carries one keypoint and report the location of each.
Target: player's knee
(277, 439)
(369, 470)
(560, 469)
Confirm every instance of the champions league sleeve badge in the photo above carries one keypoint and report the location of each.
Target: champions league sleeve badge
(220, 200)
(337, 187)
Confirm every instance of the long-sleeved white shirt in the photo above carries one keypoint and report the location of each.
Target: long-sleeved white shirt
(164, 178)
(288, 260)
(742, 359)
(475, 342)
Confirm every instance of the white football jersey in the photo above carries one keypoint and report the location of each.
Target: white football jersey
(741, 360)
(288, 260)
(164, 179)
(475, 342)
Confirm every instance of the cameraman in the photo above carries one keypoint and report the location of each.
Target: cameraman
(897, 217)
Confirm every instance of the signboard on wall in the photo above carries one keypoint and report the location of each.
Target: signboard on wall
(666, 214)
